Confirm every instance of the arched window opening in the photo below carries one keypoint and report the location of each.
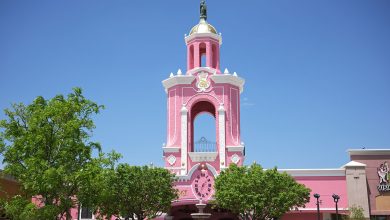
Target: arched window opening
(191, 58)
(203, 127)
(202, 54)
(204, 133)
(203, 60)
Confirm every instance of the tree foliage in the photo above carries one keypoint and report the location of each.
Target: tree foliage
(356, 213)
(254, 193)
(46, 146)
(143, 192)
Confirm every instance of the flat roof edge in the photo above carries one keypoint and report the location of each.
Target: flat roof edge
(314, 172)
(352, 152)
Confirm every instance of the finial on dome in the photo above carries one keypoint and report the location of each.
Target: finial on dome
(203, 10)
(203, 27)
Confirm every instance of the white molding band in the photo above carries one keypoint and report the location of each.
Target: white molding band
(186, 177)
(229, 79)
(173, 149)
(203, 156)
(212, 169)
(202, 69)
(184, 143)
(222, 143)
(369, 152)
(239, 148)
(177, 80)
(205, 35)
(314, 172)
(354, 164)
(217, 78)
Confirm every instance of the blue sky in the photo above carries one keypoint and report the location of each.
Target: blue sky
(317, 72)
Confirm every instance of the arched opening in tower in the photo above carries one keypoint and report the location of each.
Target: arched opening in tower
(203, 129)
(202, 54)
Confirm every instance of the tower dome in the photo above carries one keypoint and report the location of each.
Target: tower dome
(203, 27)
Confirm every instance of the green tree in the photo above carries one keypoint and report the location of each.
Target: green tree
(143, 192)
(254, 193)
(356, 213)
(46, 146)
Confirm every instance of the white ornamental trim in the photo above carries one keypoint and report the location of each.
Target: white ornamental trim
(177, 80)
(235, 158)
(369, 152)
(239, 148)
(184, 142)
(186, 177)
(222, 136)
(173, 149)
(229, 79)
(171, 160)
(203, 84)
(203, 156)
(314, 172)
(200, 35)
(210, 70)
(212, 169)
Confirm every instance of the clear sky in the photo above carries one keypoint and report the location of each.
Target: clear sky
(317, 72)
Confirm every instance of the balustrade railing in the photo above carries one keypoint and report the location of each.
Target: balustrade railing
(203, 145)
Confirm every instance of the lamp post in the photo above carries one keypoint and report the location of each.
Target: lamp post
(317, 196)
(336, 200)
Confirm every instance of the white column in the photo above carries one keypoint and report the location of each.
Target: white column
(184, 143)
(222, 143)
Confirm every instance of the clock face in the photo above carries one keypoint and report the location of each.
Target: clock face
(203, 185)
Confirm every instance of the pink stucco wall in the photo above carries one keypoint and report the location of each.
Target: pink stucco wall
(188, 96)
(326, 186)
(372, 163)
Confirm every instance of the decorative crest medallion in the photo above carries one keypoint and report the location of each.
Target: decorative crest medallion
(203, 83)
(384, 177)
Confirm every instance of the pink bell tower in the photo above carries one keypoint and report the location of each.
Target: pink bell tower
(203, 88)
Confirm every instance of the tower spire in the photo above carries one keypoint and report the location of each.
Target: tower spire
(203, 10)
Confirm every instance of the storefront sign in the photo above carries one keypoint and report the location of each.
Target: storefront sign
(384, 177)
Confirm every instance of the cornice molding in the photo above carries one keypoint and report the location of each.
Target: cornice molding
(173, 149)
(314, 172)
(202, 69)
(239, 148)
(354, 164)
(177, 80)
(191, 37)
(229, 79)
(368, 152)
(203, 156)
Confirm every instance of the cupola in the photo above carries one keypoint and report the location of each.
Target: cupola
(203, 44)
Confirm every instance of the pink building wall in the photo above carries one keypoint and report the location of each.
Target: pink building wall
(218, 94)
(326, 186)
(372, 163)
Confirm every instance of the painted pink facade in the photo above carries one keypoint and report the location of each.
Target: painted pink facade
(326, 186)
(204, 88)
